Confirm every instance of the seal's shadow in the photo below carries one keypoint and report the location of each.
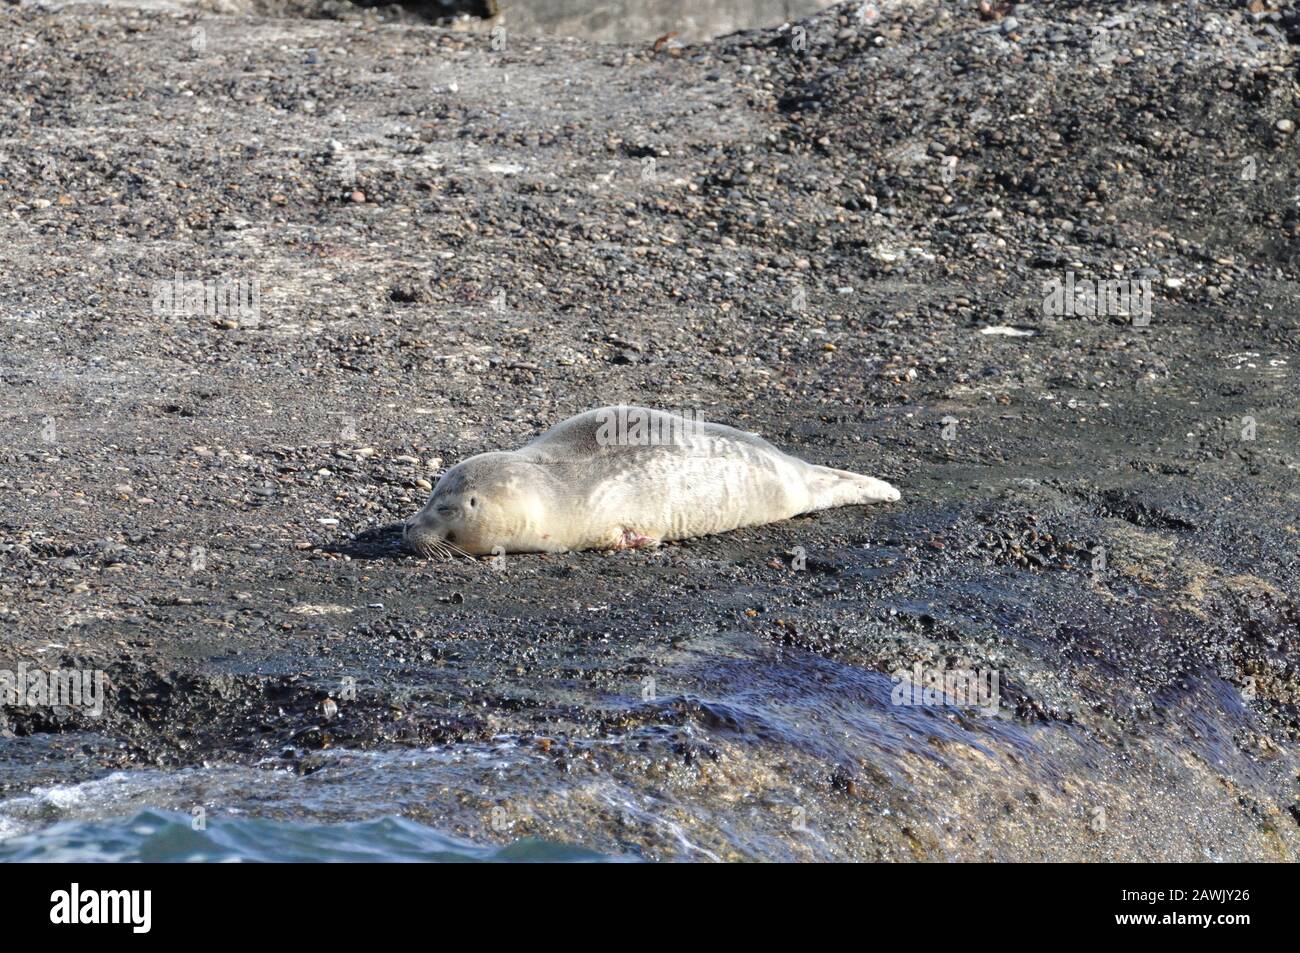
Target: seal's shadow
(379, 542)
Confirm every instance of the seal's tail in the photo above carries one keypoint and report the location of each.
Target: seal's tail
(832, 487)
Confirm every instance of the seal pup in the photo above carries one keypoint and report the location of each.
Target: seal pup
(622, 478)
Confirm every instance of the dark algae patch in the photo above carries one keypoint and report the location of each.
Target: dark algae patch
(837, 234)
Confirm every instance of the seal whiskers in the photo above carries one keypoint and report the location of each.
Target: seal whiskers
(431, 546)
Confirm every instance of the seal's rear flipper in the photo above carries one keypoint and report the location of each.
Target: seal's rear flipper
(831, 487)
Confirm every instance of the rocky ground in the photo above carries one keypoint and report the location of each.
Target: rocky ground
(808, 232)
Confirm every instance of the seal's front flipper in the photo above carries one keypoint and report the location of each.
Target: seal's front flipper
(831, 487)
(631, 539)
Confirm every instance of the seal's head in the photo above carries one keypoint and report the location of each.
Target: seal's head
(491, 503)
